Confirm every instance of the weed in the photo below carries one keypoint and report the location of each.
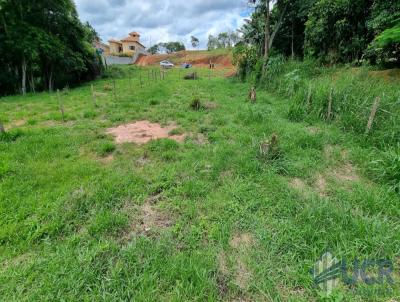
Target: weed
(195, 104)
(105, 148)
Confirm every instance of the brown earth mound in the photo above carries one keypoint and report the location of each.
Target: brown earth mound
(196, 58)
(142, 132)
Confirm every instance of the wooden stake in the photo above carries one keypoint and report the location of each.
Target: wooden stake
(373, 114)
(94, 97)
(2, 128)
(61, 106)
(330, 104)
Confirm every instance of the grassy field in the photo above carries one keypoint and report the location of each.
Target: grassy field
(210, 219)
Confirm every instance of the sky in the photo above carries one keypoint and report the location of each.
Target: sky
(163, 20)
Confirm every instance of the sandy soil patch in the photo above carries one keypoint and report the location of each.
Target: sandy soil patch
(143, 132)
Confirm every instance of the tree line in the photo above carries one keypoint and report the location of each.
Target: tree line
(222, 40)
(331, 31)
(43, 46)
(168, 47)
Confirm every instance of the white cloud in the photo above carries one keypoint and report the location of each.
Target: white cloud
(162, 20)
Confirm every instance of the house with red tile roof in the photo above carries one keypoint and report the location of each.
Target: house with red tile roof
(129, 45)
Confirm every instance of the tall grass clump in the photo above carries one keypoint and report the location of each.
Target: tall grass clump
(386, 168)
(344, 96)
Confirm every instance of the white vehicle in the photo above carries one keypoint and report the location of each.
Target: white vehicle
(166, 64)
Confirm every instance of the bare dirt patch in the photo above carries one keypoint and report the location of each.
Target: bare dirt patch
(222, 263)
(16, 261)
(107, 160)
(15, 124)
(313, 130)
(210, 106)
(298, 184)
(321, 185)
(152, 219)
(345, 173)
(143, 132)
(242, 240)
(243, 275)
(147, 219)
(200, 139)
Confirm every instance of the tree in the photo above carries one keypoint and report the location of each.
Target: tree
(336, 31)
(154, 49)
(43, 42)
(195, 42)
(170, 47)
(265, 7)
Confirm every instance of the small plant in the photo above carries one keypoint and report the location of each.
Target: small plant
(106, 148)
(269, 149)
(196, 104)
(154, 102)
(253, 95)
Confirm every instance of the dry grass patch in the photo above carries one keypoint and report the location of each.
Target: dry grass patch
(320, 185)
(147, 220)
(242, 240)
(240, 243)
(107, 160)
(313, 130)
(345, 173)
(16, 261)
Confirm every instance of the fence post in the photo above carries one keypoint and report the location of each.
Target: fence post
(330, 104)
(2, 128)
(373, 114)
(61, 105)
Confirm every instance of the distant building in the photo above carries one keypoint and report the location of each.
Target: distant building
(101, 47)
(129, 45)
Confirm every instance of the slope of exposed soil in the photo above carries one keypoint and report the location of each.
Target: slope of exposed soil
(221, 59)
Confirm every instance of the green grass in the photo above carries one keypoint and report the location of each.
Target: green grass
(74, 226)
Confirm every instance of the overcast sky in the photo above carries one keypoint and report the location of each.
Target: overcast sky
(163, 20)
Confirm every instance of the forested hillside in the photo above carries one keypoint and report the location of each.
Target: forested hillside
(331, 31)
